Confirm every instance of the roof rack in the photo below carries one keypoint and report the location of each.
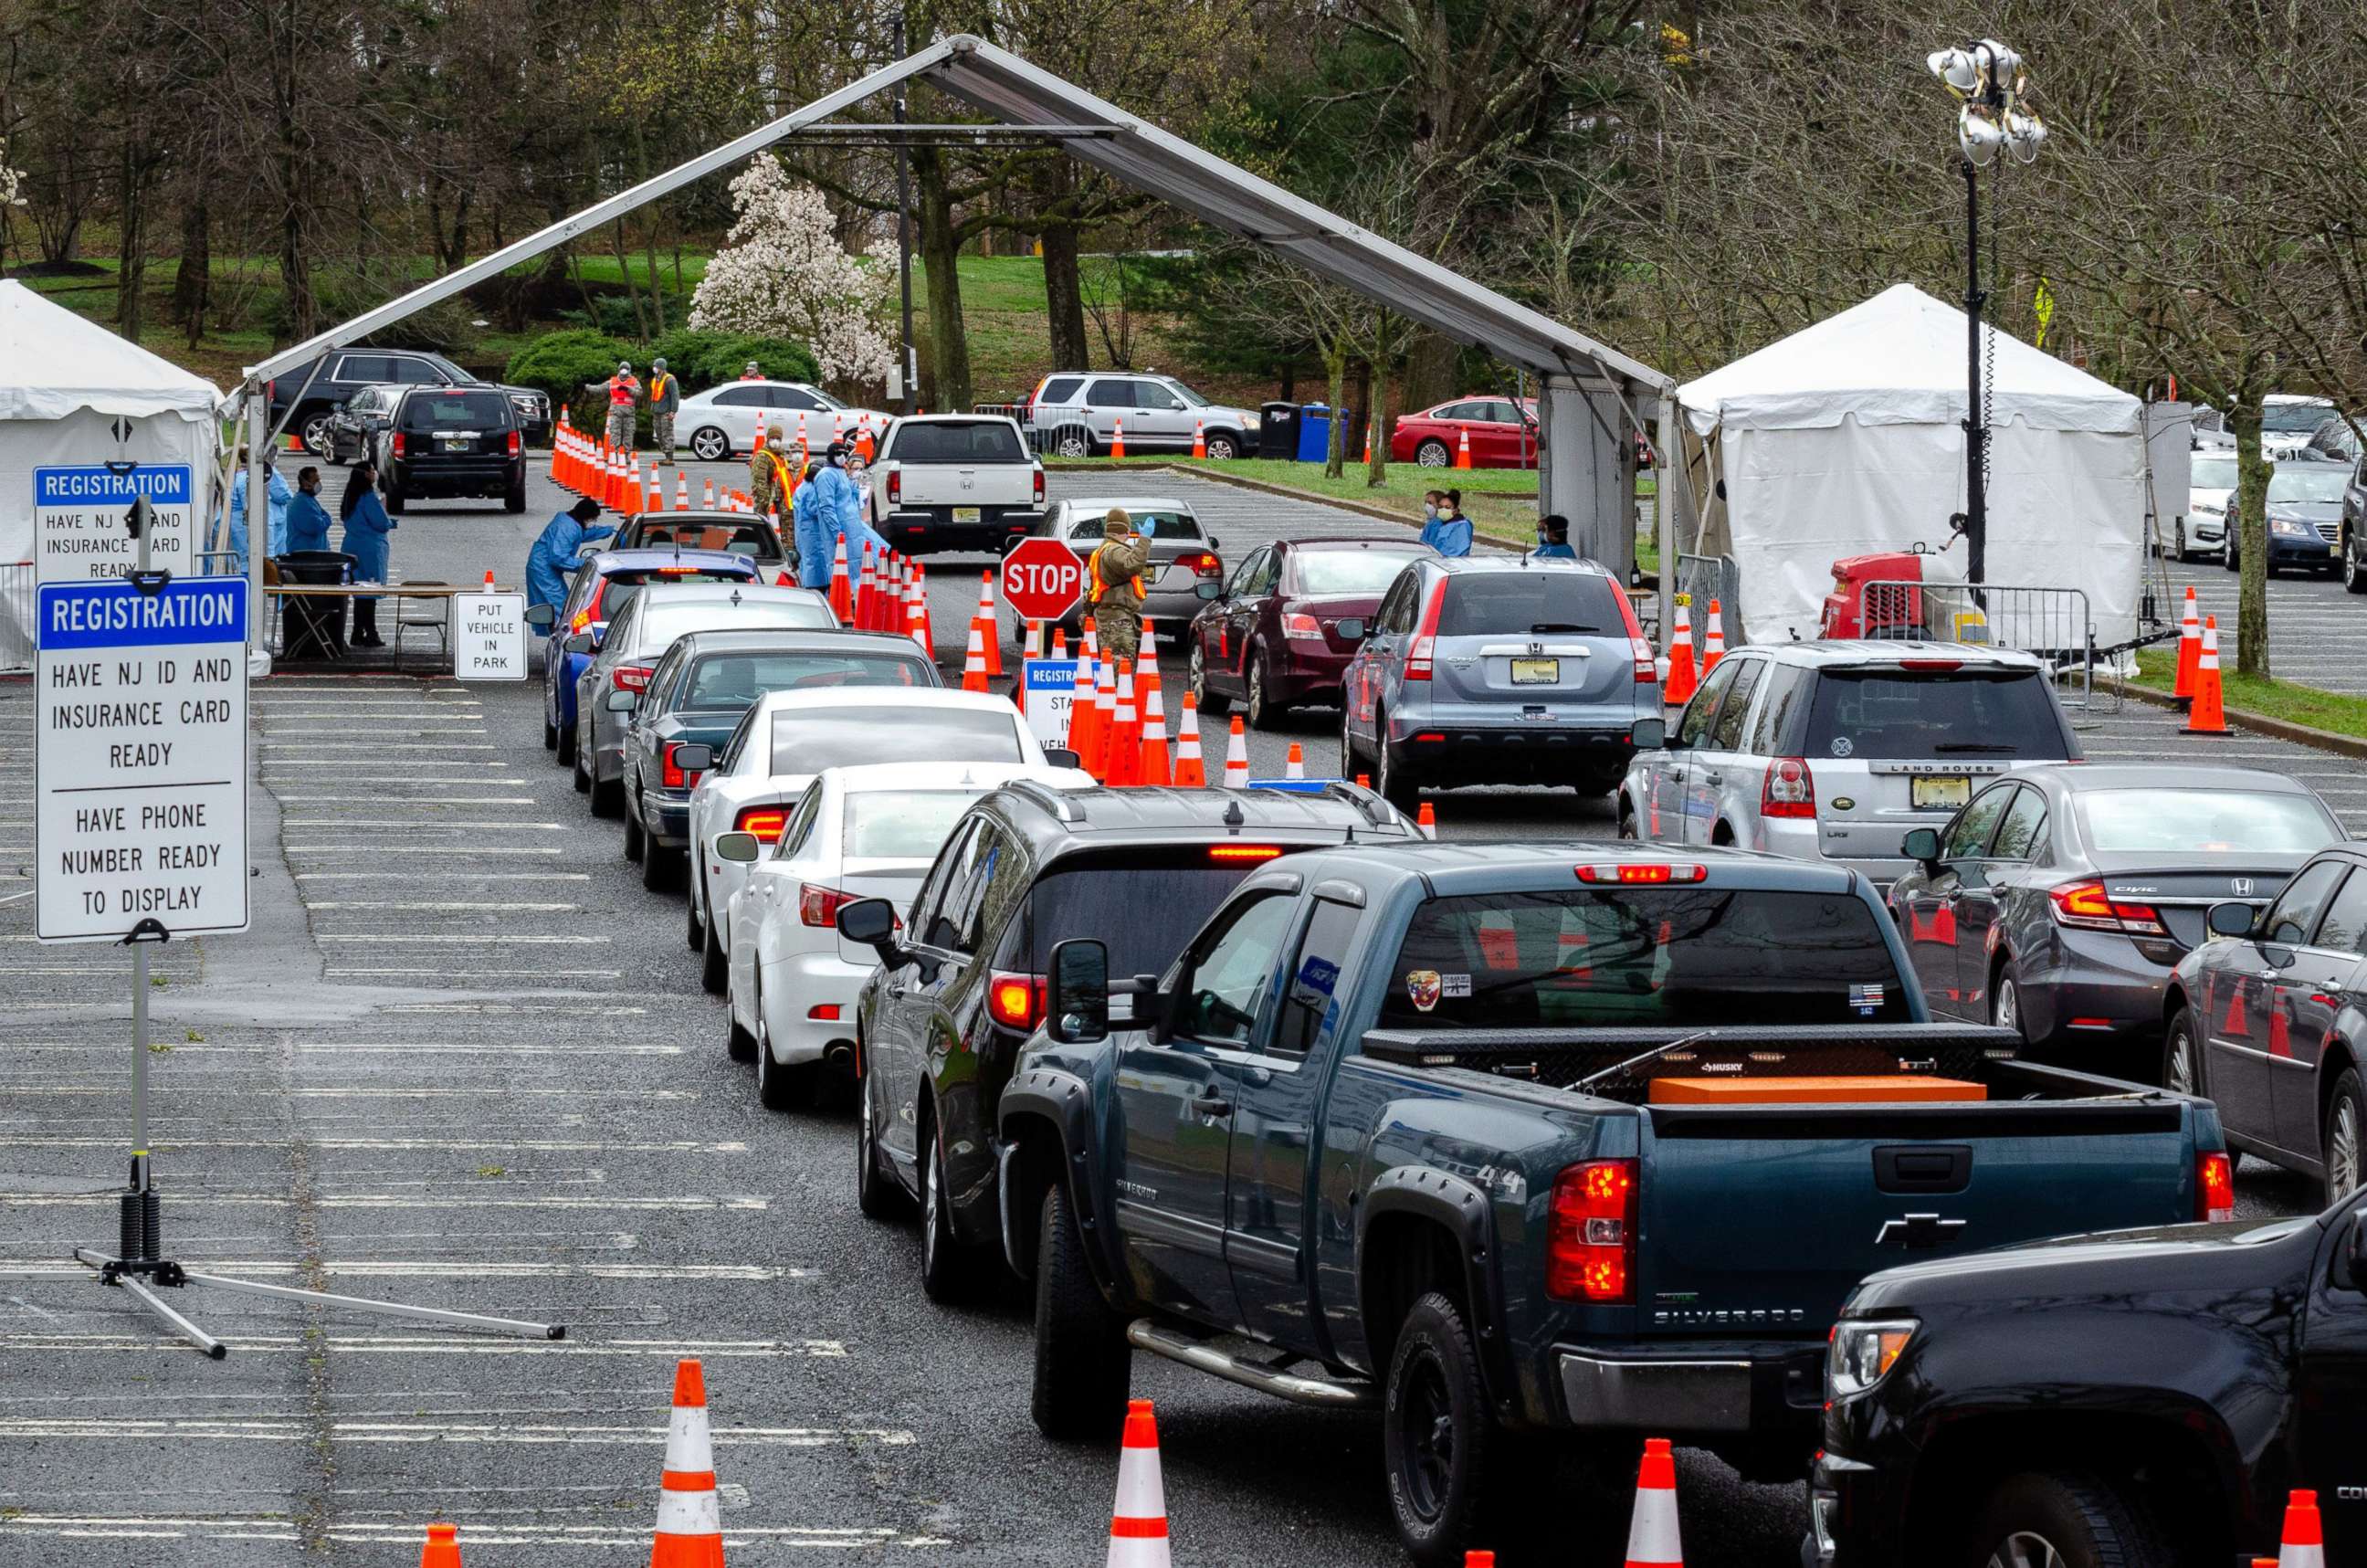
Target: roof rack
(1044, 795)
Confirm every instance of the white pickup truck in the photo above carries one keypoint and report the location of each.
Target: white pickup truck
(954, 482)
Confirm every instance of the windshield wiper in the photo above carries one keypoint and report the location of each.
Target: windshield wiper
(1566, 626)
(1951, 746)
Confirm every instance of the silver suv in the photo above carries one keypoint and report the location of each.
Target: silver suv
(1074, 415)
(1836, 751)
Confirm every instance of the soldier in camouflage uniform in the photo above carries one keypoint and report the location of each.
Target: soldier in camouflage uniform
(1114, 582)
(770, 482)
(622, 391)
(665, 401)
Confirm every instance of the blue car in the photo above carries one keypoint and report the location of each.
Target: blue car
(607, 581)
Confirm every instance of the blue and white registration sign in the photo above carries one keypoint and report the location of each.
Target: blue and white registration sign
(1051, 687)
(140, 758)
(78, 533)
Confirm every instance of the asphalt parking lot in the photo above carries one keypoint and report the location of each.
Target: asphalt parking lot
(462, 1059)
(2317, 629)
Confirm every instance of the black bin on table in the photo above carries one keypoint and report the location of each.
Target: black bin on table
(1278, 430)
(313, 627)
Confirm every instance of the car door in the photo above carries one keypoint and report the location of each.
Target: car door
(1368, 677)
(1176, 1088)
(1717, 764)
(906, 1002)
(1665, 817)
(2243, 1005)
(1245, 607)
(2333, 1387)
(1166, 417)
(1930, 906)
(2310, 992)
(1497, 433)
(1108, 399)
(1987, 878)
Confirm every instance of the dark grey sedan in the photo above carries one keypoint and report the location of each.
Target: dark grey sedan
(2057, 901)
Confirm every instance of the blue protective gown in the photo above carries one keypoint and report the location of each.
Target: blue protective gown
(366, 526)
(836, 508)
(808, 539)
(308, 523)
(557, 549)
(1449, 536)
(1554, 553)
(276, 530)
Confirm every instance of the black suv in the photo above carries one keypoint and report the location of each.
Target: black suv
(452, 441)
(2140, 1398)
(345, 372)
(960, 986)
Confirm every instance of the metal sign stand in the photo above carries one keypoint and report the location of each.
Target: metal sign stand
(138, 1263)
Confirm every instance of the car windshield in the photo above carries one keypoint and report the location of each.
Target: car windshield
(459, 375)
(751, 540)
(733, 681)
(821, 396)
(1153, 522)
(1367, 572)
(2308, 482)
(2183, 821)
(1191, 399)
(658, 626)
(1639, 956)
(456, 411)
(902, 824)
(1540, 600)
(957, 441)
(1976, 710)
(809, 740)
(1145, 904)
(2213, 473)
(2294, 418)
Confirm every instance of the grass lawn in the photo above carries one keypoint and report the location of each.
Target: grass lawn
(2330, 711)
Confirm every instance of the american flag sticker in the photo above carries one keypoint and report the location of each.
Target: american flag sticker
(1866, 999)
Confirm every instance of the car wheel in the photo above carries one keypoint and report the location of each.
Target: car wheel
(636, 841)
(661, 867)
(1628, 829)
(714, 959)
(2227, 547)
(2005, 1002)
(514, 499)
(1224, 446)
(875, 1194)
(2181, 1056)
(739, 1042)
(2064, 1521)
(1074, 444)
(574, 749)
(1348, 759)
(315, 435)
(2178, 542)
(1260, 708)
(1455, 1479)
(1083, 1363)
(566, 747)
(549, 735)
(2354, 578)
(694, 927)
(1214, 704)
(709, 445)
(2346, 1126)
(948, 1267)
(779, 1085)
(1432, 454)
(608, 797)
(1392, 777)
(394, 498)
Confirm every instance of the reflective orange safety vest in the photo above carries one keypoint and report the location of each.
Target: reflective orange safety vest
(657, 387)
(780, 475)
(621, 391)
(1094, 565)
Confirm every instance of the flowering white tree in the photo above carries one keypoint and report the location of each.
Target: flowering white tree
(783, 274)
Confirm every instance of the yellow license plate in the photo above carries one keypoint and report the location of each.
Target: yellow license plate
(965, 514)
(1536, 672)
(1943, 793)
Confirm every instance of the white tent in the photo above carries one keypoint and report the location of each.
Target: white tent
(69, 388)
(1847, 438)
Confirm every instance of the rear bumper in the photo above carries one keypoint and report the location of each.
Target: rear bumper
(1535, 753)
(665, 817)
(1712, 1392)
(919, 529)
(464, 476)
(794, 987)
(2092, 985)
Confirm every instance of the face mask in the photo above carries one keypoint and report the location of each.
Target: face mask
(1430, 508)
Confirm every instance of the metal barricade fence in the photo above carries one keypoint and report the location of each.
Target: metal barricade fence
(2052, 623)
(16, 610)
(1703, 578)
(219, 564)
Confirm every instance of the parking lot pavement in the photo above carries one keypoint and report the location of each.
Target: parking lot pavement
(2318, 630)
(462, 1059)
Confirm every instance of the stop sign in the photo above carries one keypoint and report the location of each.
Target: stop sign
(1041, 578)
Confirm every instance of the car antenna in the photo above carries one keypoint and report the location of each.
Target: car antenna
(1234, 817)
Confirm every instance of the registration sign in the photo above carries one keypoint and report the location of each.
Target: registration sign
(488, 636)
(1050, 685)
(140, 758)
(78, 533)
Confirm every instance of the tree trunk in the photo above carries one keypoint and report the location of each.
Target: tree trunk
(2251, 525)
(1335, 367)
(1430, 370)
(131, 246)
(941, 257)
(193, 285)
(1376, 427)
(632, 284)
(1064, 298)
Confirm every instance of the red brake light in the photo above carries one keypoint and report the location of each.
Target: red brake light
(1039, 486)
(1647, 670)
(1235, 854)
(1590, 1234)
(1789, 789)
(1425, 639)
(516, 446)
(675, 777)
(631, 677)
(1642, 873)
(2214, 1187)
(819, 906)
(1014, 1001)
(823, 1012)
(1301, 628)
(765, 822)
(398, 443)
(895, 485)
(1930, 663)
(2088, 906)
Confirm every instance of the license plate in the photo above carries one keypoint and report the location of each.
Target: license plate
(1536, 672)
(966, 514)
(1943, 793)
(455, 443)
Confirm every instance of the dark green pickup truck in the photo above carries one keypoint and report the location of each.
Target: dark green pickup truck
(1511, 1143)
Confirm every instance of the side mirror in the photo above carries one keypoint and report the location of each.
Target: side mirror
(580, 643)
(871, 921)
(622, 701)
(1921, 844)
(741, 848)
(1175, 405)
(2231, 919)
(544, 617)
(1649, 733)
(1061, 756)
(694, 758)
(1076, 1008)
(2354, 1251)
(1210, 590)
(1216, 543)
(1352, 629)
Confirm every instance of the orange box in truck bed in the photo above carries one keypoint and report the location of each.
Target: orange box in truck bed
(1812, 1091)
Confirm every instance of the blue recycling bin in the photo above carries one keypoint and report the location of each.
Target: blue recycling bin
(1314, 432)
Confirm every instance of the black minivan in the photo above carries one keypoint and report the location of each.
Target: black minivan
(446, 442)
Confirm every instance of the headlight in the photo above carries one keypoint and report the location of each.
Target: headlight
(1253, 421)
(1862, 1355)
(2289, 528)
(2210, 509)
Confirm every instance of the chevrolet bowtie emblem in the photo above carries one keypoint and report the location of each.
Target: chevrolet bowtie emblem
(1917, 1233)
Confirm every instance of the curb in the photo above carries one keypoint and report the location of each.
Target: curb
(2352, 747)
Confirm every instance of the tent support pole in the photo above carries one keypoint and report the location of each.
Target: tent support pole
(258, 514)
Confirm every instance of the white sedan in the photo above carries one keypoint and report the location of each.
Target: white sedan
(789, 737)
(870, 831)
(721, 421)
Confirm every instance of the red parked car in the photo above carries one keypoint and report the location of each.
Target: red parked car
(1504, 434)
(1281, 630)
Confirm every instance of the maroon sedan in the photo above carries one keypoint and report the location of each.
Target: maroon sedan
(1282, 630)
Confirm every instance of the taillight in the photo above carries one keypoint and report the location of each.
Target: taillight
(823, 1012)
(398, 443)
(1205, 565)
(1014, 1001)
(1236, 854)
(765, 822)
(1789, 789)
(895, 485)
(819, 906)
(1039, 486)
(1591, 1236)
(673, 775)
(1930, 663)
(516, 444)
(1642, 873)
(1647, 670)
(2088, 907)
(1301, 628)
(1424, 646)
(631, 677)
(2214, 1187)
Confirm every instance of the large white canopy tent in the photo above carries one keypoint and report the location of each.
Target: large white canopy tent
(76, 396)
(1848, 438)
(1590, 396)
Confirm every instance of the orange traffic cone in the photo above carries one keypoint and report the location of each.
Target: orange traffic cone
(1138, 1522)
(2190, 648)
(681, 491)
(1652, 1534)
(1294, 765)
(920, 592)
(1363, 781)
(1678, 688)
(2207, 716)
(488, 579)
(1189, 773)
(866, 594)
(974, 664)
(1105, 715)
(1061, 644)
(1367, 458)
(1117, 439)
(1081, 712)
(991, 622)
(690, 1527)
(706, 495)
(1426, 819)
(1237, 758)
(2301, 1545)
(1126, 737)
(1147, 645)
(654, 487)
(1463, 448)
(916, 618)
(1199, 440)
(443, 1548)
(1714, 649)
(1154, 769)
(863, 442)
(842, 596)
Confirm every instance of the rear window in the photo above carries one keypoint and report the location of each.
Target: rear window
(1486, 603)
(1151, 523)
(733, 538)
(1367, 572)
(732, 681)
(1061, 389)
(2183, 821)
(666, 623)
(618, 589)
(1643, 957)
(1145, 906)
(813, 738)
(957, 441)
(1921, 714)
(456, 410)
(904, 825)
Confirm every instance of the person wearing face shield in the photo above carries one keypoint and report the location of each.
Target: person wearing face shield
(838, 513)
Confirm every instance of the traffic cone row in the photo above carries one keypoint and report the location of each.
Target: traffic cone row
(2207, 715)
(1678, 688)
(2190, 648)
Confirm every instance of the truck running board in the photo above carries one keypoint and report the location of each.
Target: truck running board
(1145, 1334)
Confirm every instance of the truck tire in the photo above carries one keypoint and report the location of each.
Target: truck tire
(1456, 1481)
(1083, 1365)
(2080, 1521)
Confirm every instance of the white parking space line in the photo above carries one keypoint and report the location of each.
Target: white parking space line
(445, 1268)
(456, 1146)
(433, 824)
(445, 876)
(520, 1534)
(455, 1048)
(423, 849)
(448, 904)
(430, 1344)
(473, 938)
(476, 973)
(199, 1201)
(301, 1429)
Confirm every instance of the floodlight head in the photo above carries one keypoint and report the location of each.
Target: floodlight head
(1979, 134)
(1955, 69)
(1998, 64)
(2023, 134)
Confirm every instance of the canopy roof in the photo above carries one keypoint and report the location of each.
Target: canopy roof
(58, 362)
(1898, 359)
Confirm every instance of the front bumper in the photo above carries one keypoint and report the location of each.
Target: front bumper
(2291, 550)
(1855, 1513)
(794, 987)
(1709, 1392)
